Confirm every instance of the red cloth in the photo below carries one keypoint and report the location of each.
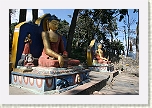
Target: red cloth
(26, 48)
(55, 63)
(57, 47)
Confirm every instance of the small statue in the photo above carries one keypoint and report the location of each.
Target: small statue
(27, 41)
(29, 59)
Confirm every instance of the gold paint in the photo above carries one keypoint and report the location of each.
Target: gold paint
(100, 52)
(53, 36)
(38, 21)
(15, 44)
(89, 55)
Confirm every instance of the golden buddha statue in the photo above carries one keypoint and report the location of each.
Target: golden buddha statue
(99, 55)
(54, 53)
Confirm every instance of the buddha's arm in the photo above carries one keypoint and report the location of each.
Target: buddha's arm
(47, 46)
(100, 54)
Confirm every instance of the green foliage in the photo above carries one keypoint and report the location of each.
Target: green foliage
(80, 54)
(123, 13)
(95, 22)
(13, 27)
(63, 28)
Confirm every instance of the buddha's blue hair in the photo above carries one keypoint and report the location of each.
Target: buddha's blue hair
(53, 17)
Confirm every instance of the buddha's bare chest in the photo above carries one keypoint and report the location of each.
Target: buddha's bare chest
(100, 51)
(53, 37)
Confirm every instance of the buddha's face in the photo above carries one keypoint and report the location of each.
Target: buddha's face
(53, 25)
(100, 46)
(29, 35)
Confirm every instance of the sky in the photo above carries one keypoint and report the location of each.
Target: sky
(60, 13)
(63, 14)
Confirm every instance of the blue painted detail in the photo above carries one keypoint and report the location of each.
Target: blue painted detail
(65, 41)
(85, 75)
(82, 76)
(42, 21)
(68, 88)
(62, 83)
(70, 80)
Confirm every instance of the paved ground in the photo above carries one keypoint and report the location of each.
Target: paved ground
(123, 84)
(18, 90)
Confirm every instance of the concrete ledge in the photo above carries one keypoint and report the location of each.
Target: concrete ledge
(97, 81)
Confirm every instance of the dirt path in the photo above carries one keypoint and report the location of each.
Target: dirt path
(126, 82)
(123, 84)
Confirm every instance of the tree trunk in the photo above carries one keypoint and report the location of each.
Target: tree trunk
(137, 40)
(111, 36)
(128, 34)
(71, 31)
(34, 14)
(10, 21)
(125, 39)
(10, 32)
(22, 15)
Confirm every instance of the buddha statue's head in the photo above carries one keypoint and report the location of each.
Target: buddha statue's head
(99, 46)
(53, 23)
(27, 39)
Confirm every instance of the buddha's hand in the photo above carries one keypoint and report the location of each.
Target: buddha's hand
(61, 61)
(65, 54)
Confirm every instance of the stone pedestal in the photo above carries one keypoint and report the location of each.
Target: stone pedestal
(46, 79)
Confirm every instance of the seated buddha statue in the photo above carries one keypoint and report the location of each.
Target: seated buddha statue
(99, 55)
(54, 54)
